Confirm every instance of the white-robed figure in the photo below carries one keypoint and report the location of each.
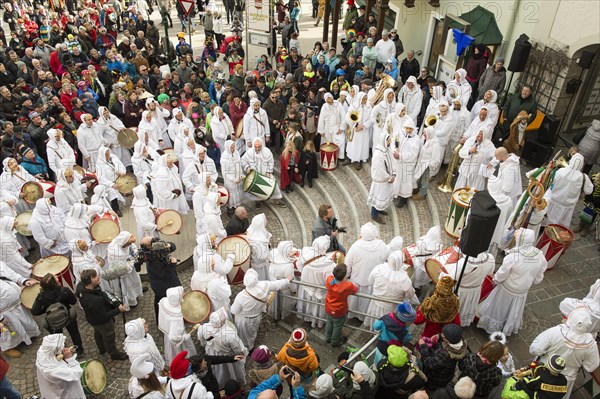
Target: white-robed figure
(17, 325)
(12, 179)
(523, 266)
(149, 125)
(389, 280)
(182, 139)
(110, 126)
(169, 193)
(444, 128)
(564, 194)
(260, 159)
(477, 153)
(459, 87)
(199, 200)
(405, 148)
(251, 302)
(280, 267)
(331, 125)
(591, 303)
(212, 217)
(358, 148)
(144, 165)
(89, 140)
(367, 251)
(159, 116)
(258, 238)
(108, 169)
(11, 253)
(256, 123)
(187, 155)
(170, 322)
(233, 174)
(462, 119)
(437, 95)
(428, 163)
(145, 137)
(572, 341)
(121, 255)
(425, 247)
(380, 113)
(138, 342)
(177, 124)
(82, 259)
(220, 126)
(489, 102)
(57, 369)
(505, 205)
(509, 174)
(144, 215)
(68, 190)
(381, 192)
(411, 95)
(8, 207)
(316, 266)
(48, 227)
(58, 150)
(220, 338)
(77, 221)
(142, 369)
(191, 174)
(480, 122)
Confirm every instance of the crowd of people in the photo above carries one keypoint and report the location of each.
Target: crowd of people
(90, 95)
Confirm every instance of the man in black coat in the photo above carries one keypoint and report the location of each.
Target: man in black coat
(409, 66)
(202, 369)
(239, 223)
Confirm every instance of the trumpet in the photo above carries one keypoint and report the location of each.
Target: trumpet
(431, 120)
(386, 82)
(352, 121)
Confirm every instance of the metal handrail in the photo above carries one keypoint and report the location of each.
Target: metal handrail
(359, 352)
(360, 295)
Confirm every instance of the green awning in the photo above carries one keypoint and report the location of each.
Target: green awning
(483, 26)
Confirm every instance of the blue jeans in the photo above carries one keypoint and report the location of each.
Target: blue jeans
(424, 183)
(7, 390)
(374, 212)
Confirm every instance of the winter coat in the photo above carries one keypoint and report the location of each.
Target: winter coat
(439, 362)
(492, 80)
(302, 359)
(485, 376)
(393, 332)
(589, 146)
(393, 383)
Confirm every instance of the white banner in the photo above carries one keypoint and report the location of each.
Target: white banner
(258, 15)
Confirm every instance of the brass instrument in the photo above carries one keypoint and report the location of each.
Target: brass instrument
(446, 186)
(453, 91)
(352, 121)
(431, 120)
(386, 82)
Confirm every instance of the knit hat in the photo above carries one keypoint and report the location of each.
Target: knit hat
(232, 388)
(25, 150)
(556, 364)
(452, 333)
(397, 356)
(180, 365)
(33, 114)
(262, 354)
(406, 312)
(443, 305)
(298, 338)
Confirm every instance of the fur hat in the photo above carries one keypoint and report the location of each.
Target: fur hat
(443, 305)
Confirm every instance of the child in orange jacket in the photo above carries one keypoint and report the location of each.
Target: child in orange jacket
(336, 304)
(298, 354)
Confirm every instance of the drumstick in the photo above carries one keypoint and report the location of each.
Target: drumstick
(196, 326)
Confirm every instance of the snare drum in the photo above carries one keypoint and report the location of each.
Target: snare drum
(223, 196)
(554, 242)
(126, 183)
(329, 156)
(168, 221)
(29, 294)
(461, 202)
(259, 185)
(58, 265)
(239, 246)
(195, 307)
(104, 228)
(23, 220)
(445, 262)
(93, 379)
(34, 190)
(86, 176)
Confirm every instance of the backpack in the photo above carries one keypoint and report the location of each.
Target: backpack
(57, 316)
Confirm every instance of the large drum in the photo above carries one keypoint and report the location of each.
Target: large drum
(168, 221)
(29, 294)
(329, 156)
(104, 228)
(486, 288)
(461, 202)
(93, 379)
(127, 138)
(196, 307)
(58, 265)
(126, 183)
(86, 176)
(241, 248)
(445, 262)
(34, 190)
(23, 220)
(223, 196)
(259, 185)
(554, 242)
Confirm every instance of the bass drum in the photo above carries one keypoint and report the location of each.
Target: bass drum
(195, 307)
(240, 247)
(93, 379)
(33, 190)
(29, 294)
(126, 183)
(58, 265)
(168, 221)
(23, 220)
(261, 186)
(104, 228)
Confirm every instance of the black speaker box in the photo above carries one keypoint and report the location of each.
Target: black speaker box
(536, 153)
(586, 59)
(520, 54)
(475, 238)
(548, 131)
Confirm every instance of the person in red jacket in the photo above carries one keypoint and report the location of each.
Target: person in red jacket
(439, 309)
(336, 304)
(7, 390)
(66, 97)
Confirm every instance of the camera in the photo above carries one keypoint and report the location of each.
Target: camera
(335, 227)
(158, 250)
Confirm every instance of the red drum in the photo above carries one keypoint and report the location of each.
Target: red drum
(223, 196)
(486, 288)
(554, 242)
(168, 221)
(409, 252)
(105, 227)
(58, 265)
(87, 176)
(33, 190)
(329, 156)
(445, 261)
(239, 246)
(434, 268)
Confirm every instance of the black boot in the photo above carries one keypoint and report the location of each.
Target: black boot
(114, 204)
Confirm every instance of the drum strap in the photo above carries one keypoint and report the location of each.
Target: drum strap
(14, 174)
(311, 260)
(144, 394)
(259, 300)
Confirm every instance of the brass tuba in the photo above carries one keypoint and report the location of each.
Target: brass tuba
(446, 186)
(431, 120)
(386, 82)
(352, 120)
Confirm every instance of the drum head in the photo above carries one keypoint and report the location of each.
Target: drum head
(126, 184)
(329, 147)
(104, 230)
(32, 192)
(54, 264)
(196, 307)
(223, 196)
(23, 220)
(559, 234)
(434, 268)
(463, 196)
(29, 294)
(236, 245)
(248, 180)
(127, 138)
(94, 376)
(169, 222)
